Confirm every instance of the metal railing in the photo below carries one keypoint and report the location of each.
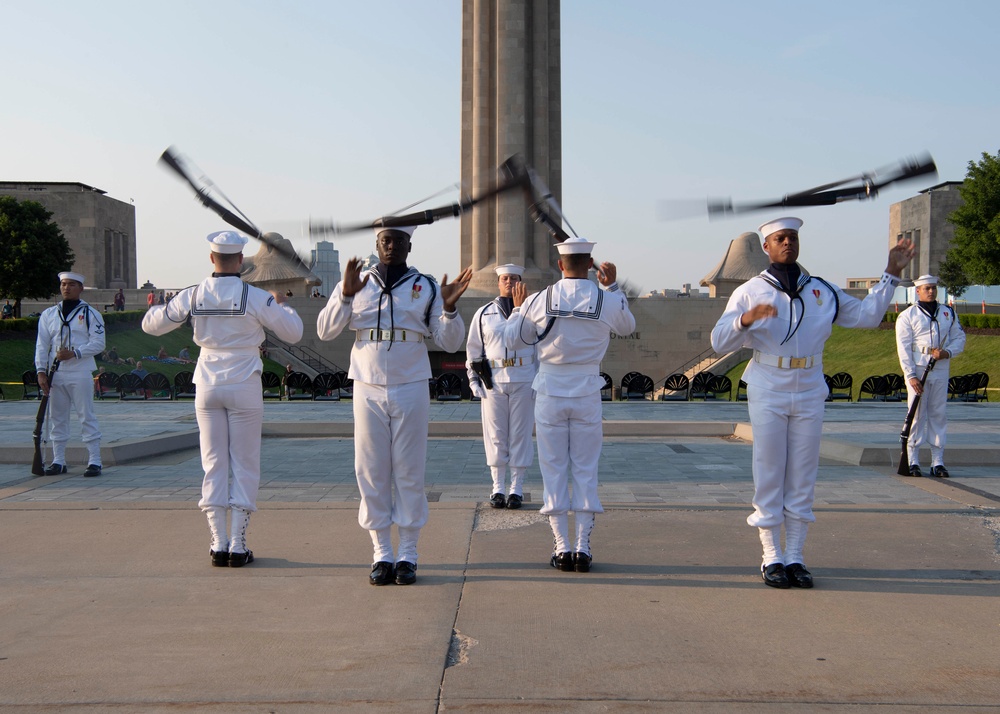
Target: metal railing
(696, 364)
(306, 355)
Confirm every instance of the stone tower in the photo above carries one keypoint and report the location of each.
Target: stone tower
(510, 105)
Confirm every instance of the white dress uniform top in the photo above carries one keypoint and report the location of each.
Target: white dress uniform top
(390, 369)
(570, 324)
(919, 330)
(229, 317)
(81, 330)
(786, 391)
(508, 408)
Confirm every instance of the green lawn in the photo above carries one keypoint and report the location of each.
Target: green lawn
(16, 356)
(863, 353)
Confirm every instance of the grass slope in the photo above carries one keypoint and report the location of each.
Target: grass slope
(17, 356)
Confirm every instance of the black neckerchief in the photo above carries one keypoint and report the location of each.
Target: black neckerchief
(68, 306)
(930, 307)
(505, 305)
(226, 275)
(390, 274)
(787, 277)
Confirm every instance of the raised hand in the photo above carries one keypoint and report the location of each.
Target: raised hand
(352, 282)
(520, 294)
(900, 256)
(451, 292)
(607, 274)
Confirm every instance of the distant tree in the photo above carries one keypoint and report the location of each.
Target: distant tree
(975, 249)
(953, 277)
(32, 251)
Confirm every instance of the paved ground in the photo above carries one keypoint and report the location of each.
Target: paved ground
(108, 601)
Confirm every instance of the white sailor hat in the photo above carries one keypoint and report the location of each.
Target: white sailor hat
(72, 276)
(227, 242)
(925, 280)
(780, 224)
(408, 230)
(510, 269)
(576, 244)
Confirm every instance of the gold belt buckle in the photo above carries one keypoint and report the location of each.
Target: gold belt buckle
(797, 362)
(509, 362)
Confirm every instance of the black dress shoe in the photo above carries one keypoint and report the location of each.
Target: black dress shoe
(562, 561)
(774, 575)
(498, 501)
(56, 469)
(581, 562)
(915, 470)
(513, 501)
(406, 573)
(92, 470)
(220, 558)
(798, 576)
(940, 471)
(238, 560)
(382, 573)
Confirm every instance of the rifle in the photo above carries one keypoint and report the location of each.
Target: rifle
(38, 465)
(903, 468)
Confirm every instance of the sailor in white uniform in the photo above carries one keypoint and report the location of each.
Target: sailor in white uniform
(786, 315)
(391, 312)
(508, 400)
(229, 318)
(73, 333)
(570, 324)
(927, 330)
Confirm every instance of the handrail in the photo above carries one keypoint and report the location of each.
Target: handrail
(309, 356)
(693, 362)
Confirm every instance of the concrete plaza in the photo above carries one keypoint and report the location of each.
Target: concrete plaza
(108, 601)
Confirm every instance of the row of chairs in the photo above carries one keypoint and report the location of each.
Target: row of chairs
(676, 387)
(324, 387)
(892, 388)
(968, 387)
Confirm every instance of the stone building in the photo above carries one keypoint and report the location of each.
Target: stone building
(99, 229)
(924, 219)
(743, 260)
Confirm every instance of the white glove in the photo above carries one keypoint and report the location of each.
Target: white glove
(478, 389)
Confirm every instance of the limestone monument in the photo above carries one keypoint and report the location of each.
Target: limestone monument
(511, 104)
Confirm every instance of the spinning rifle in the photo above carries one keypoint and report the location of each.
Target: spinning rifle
(864, 186)
(511, 174)
(204, 190)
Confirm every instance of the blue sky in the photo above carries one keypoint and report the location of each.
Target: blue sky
(348, 110)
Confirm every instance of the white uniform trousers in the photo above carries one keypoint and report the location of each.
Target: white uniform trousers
(931, 420)
(76, 391)
(230, 419)
(787, 428)
(569, 434)
(390, 453)
(508, 419)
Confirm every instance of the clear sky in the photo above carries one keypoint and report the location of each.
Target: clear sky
(350, 110)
